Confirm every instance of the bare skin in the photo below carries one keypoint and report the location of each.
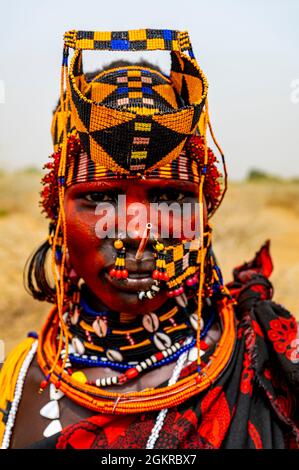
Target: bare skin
(91, 258)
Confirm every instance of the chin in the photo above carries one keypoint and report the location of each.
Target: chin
(128, 302)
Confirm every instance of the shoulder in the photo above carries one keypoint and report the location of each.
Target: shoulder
(14, 370)
(29, 409)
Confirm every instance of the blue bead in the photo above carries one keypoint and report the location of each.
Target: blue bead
(89, 310)
(147, 90)
(167, 34)
(32, 334)
(122, 366)
(123, 90)
(120, 44)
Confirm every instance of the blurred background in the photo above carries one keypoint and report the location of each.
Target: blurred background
(249, 52)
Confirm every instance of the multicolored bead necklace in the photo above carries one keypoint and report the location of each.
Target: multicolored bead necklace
(102, 331)
(154, 346)
(103, 400)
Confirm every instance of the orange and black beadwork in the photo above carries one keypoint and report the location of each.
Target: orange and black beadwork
(131, 122)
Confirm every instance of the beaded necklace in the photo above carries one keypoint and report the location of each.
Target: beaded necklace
(99, 339)
(154, 435)
(94, 361)
(155, 347)
(101, 400)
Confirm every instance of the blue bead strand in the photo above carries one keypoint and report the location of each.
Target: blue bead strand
(208, 325)
(121, 366)
(85, 362)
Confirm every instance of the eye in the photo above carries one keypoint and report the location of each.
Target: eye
(100, 197)
(169, 195)
(172, 196)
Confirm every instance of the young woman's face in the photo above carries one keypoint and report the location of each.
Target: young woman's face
(93, 255)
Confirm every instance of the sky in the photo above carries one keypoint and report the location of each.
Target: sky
(248, 49)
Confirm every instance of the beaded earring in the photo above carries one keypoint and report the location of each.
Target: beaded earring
(119, 271)
(160, 273)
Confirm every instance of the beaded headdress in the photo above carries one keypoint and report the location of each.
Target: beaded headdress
(132, 122)
(119, 123)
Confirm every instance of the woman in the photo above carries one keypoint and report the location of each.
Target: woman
(144, 347)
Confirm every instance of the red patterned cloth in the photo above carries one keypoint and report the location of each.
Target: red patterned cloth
(252, 405)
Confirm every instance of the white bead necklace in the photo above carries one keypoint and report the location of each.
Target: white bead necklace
(55, 396)
(17, 396)
(161, 416)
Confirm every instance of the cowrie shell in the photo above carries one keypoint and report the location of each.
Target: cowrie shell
(162, 341)
(150, 322)
(113, 355)
(194, 320)
(192, 355)
(65, 316)
(100, 327)
(214, 334)
(78, 346)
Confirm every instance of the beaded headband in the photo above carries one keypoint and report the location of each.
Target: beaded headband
(134, 119)
(81, 169)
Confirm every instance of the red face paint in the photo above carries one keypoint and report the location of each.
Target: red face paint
(92, 257)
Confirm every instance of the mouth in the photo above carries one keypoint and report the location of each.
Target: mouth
(135, 282)
(139, 274)
(143, 275)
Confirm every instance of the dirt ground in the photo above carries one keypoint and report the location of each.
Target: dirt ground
(250, 214)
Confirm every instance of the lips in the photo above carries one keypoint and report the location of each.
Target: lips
(140, 274)
(131, 284)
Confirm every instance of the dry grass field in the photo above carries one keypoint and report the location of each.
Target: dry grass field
(251, 213)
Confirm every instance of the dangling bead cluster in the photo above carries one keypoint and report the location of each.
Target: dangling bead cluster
(44, 383)
(179, 294)
(178, 290)
(149, 294)
(192, 281)
(119, 271)
(160, 272)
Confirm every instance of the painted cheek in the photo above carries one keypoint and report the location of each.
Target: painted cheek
(83, 244)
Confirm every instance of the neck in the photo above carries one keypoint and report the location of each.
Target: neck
(93, 307)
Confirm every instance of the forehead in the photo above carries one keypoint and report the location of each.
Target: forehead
(132, 184)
